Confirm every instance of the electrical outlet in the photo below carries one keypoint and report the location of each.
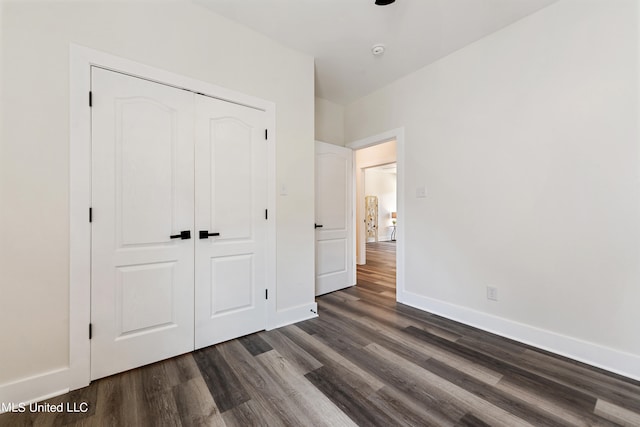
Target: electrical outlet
(421, 192)
(492, 293)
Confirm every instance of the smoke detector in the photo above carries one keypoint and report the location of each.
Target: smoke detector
(377, 49)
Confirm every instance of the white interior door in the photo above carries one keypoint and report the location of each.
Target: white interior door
(231, 222)
(142, 194)
(335, 262)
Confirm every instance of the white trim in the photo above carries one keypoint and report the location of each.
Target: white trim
(606, 358)
(361, 241)
(271, 227)
(79, 227)
(400, 240)
(354, 217)
(81, 61)
(35, 388)
(391, 135)
(294, 315)
(380, 138)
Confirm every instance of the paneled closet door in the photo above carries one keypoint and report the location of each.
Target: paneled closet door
(143, 208)
(231, 227)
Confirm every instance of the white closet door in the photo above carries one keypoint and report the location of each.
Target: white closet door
(142, 193)
(335, 263)
(231, 199)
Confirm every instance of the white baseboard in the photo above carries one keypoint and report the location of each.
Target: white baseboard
(294, 315)
(59, 381)
(606, 358)
(49, 384)
(56, 382)
(35, 388)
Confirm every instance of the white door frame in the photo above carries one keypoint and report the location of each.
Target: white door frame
(81, 61)
(397, 135)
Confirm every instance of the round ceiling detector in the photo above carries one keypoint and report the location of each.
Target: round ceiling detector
(384, 2)
(377, 49)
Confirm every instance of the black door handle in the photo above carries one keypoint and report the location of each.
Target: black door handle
(204, 234)
(318, 225)
(184, 235)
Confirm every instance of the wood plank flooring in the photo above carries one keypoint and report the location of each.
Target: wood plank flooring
(365, 361)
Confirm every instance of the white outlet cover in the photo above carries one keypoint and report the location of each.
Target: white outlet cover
(492, 293)
(284, 190)
(421, 192)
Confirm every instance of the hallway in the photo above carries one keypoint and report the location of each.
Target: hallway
(379, 273)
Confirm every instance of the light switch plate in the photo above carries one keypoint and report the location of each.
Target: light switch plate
(421, 192)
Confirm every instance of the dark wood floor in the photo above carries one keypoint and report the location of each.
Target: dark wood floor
(379, 273)
(365, 361)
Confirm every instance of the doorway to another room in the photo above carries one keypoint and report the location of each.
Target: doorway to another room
(376, 218)
(346, 177)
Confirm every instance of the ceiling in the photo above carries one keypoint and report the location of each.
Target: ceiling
(341, 33)
(388, 168)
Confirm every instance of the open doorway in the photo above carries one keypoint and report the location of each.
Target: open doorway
(376, 217)
(380, 188)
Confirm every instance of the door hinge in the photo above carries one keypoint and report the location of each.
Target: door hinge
(266, 214)
(266, 294)
(90, 214)
(90, 331)
(90, 99)
(266, 134)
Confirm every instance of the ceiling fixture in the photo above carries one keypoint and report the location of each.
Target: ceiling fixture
(384, 2)
(377, 49)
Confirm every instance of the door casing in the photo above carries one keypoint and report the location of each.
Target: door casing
(398, 135)
(81, 61)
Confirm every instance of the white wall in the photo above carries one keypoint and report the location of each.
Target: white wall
(2, 203)
(329, 122)
(34, 174)
(382, 185)
(527, 142)
(376, 155)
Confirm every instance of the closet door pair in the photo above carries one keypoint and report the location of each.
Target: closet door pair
(178, 221)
